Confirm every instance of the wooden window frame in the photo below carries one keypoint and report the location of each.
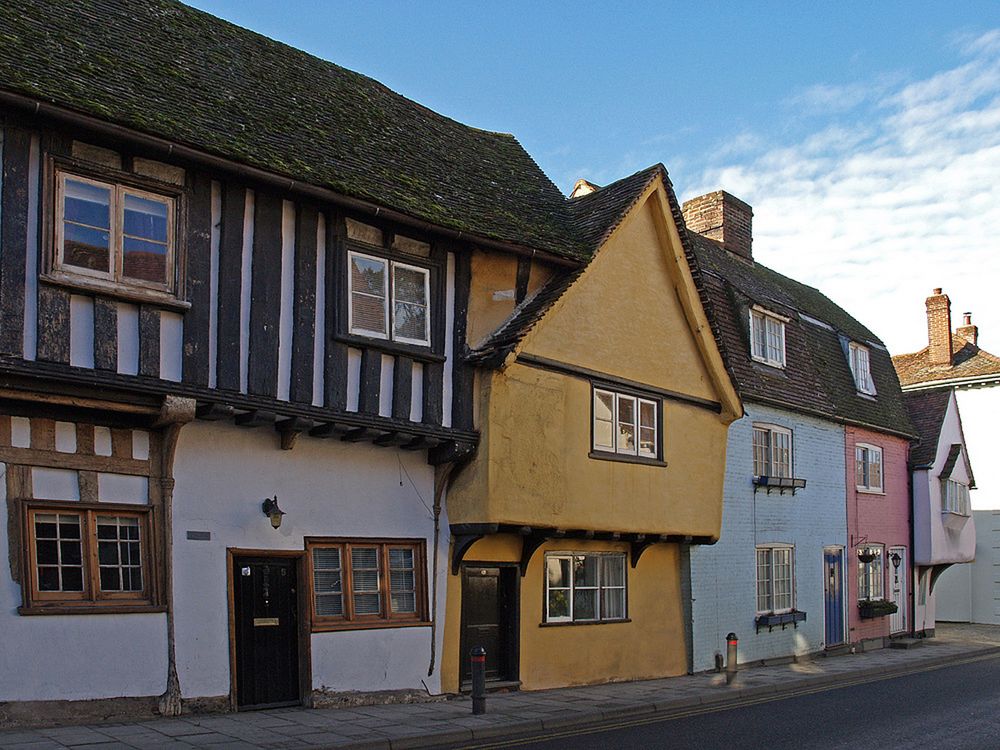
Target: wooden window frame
(615, 453)
(548, 619)
(390, 299)
(771, 548)
(765, 318)
(169, 294)
(866, 570)
(959, 502)
(387, 619)
(91, 599)
(869, 450)
(863, 380)
(771, 430)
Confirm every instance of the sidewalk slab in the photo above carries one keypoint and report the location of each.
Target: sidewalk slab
(451, 722)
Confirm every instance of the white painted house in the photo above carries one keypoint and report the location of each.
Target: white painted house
(954, 361)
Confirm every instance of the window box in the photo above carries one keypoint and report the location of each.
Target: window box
(365, 583)
(779, 483)
(771, 620)
(872, 608)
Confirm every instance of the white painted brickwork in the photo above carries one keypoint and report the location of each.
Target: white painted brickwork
(723, 576)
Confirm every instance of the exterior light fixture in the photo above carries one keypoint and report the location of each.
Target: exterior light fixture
(896, 560)
(272, 511)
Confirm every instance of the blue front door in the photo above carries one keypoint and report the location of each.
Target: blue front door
(833, 576)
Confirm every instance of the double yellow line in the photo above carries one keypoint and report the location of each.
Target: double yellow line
(726, 706)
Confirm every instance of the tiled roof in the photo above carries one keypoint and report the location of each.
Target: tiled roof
(595, 217)
(927, 410)
(817, 378)
(968, 361)
(171, 71)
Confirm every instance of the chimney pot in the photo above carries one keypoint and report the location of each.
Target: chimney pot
(968, 330)
(937, 290)
(724, 218)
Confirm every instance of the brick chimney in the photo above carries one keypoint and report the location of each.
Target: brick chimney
(724, 218)
(939, 328)
(968, 330)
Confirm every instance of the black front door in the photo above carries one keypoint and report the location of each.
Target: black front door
(267, 653)
(489, 602)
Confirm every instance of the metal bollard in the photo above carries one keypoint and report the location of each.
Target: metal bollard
(731, 650)
(478, 656)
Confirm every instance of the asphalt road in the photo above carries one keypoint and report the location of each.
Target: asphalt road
(952, 707)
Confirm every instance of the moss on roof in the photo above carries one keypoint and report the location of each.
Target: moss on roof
(172, 71)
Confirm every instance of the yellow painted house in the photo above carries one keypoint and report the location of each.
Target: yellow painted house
(603, 406)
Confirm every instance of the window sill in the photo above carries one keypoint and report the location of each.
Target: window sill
(867, 396)
(625, 458)
(776, 365)
(322, 627)
(866, 491)
(582, 622)
(90, 609)
(118, 291)
(419, 353)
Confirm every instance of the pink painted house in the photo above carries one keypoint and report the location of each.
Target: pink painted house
(878, 527)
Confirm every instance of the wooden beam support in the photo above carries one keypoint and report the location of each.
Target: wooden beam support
(255, 418)
(214, 412)
(327, 430)
(358, 434)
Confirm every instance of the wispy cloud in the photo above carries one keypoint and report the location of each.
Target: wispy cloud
(898, 192)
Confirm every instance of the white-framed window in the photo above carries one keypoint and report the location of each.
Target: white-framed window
(860, 361)
(775, 589)
(772, 451)
(388, 299)
(868, 468)
(625, 424)
(871, 572)
(954, 497)
(113, 232)
(585, 587)
(767, 338)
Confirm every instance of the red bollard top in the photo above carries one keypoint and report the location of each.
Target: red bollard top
(731, 639)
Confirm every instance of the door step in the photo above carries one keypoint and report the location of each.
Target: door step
(906, 642)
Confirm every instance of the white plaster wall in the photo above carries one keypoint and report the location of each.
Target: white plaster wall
(971, 592)
(326, 488)
(934, 542)
(980, 410)
(723, 576)
(75, 657)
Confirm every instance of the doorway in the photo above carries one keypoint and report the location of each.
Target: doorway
(490, 620)
(897, 588)
(265, 631)
(833, 578)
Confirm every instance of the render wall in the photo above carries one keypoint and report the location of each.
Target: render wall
(971, 592)
(980, 410)
(723, 576)
(877, 518)
(326, 488)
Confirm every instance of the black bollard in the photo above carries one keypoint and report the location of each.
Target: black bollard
(478, 656)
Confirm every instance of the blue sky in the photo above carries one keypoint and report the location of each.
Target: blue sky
(866, 136)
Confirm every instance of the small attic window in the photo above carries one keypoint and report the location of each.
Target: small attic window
(767, 338)
(860, 362)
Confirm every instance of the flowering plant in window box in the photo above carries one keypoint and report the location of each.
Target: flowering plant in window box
(872, 608)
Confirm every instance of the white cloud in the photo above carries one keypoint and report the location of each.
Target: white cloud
(893, 196)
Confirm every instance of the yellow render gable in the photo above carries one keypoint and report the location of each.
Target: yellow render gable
(635, 313)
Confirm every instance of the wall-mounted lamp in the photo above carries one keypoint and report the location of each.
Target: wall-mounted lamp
(272, 511)
(896, 560)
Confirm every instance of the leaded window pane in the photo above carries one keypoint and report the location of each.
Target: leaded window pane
(118, 553)
(761, 452)
(58, 552)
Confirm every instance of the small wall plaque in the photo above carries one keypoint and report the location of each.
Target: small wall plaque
(199, 536)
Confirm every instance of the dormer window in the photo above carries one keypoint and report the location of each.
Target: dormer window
(859, 359)
(767, 338)
(955, 497)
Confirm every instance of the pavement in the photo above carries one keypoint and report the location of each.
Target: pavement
(516, 714)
